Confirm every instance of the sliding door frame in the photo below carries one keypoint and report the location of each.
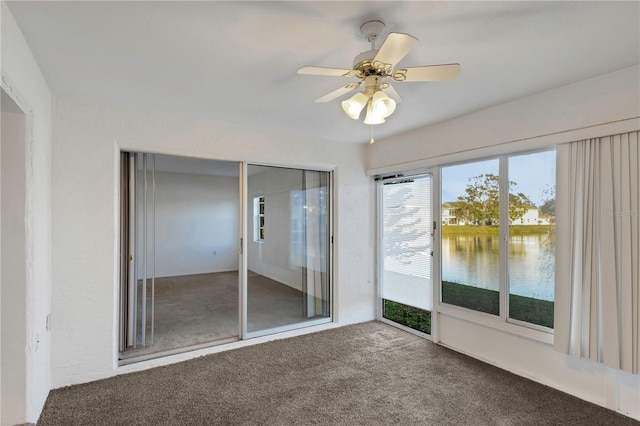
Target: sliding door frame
(243, 286)
(127, 293)
(379, 258)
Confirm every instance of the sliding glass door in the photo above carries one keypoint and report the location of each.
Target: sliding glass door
(405, 243)
(288, 247)
(215, 251)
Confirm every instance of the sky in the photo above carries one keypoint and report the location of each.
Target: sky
(533, 173)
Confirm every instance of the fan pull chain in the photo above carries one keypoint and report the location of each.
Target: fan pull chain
(371, 142)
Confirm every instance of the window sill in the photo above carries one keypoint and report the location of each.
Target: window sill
(494, 322)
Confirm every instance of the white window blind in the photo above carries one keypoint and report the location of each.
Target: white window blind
(407, 242)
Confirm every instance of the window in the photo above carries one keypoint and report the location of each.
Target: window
(470, 242)
(532, 238)
(509, 199)
(258, 216)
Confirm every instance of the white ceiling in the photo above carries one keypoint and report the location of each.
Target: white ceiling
(237, 61)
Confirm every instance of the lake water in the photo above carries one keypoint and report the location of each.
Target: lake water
(474, 260)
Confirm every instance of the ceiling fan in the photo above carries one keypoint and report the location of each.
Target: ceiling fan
(374, 68)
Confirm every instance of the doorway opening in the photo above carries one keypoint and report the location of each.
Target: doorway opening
(13, 264)
(179, 245)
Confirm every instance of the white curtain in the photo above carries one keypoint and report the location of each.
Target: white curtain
(597, 302)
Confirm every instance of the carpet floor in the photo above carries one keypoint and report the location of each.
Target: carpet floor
(198, 309)
(364, 374)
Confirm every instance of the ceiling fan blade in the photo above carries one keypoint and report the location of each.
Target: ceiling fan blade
(427, 73)
(333, 72)
(337, 93)
(395, 47)
(392, 93)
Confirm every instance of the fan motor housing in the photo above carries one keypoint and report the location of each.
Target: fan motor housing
(364, 57)
(363, 63)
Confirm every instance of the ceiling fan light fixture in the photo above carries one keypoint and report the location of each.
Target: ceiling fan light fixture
(354, 106)
(374, 69)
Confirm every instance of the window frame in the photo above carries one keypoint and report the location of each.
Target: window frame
(501, 321)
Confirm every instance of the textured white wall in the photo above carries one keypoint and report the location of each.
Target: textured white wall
(87, 138)
(23, 81)
(196, 215)
(558, 116)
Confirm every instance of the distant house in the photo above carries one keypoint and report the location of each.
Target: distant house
(531, 217)
(449, 215)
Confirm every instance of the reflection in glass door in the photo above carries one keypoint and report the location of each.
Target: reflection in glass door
(288, 248)
(406, 252)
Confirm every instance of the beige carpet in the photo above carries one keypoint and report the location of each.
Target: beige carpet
(365, 374)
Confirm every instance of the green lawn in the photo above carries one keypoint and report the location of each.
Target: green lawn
(493, 230)
(478, 299)
(522, 308)
(531, 310)
(415, 318)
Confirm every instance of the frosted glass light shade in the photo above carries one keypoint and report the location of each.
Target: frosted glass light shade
(372, 117)
(383, 105)
(355, 105)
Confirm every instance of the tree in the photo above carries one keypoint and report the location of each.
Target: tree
(548, 207)
(519, 204)
(480, 204)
